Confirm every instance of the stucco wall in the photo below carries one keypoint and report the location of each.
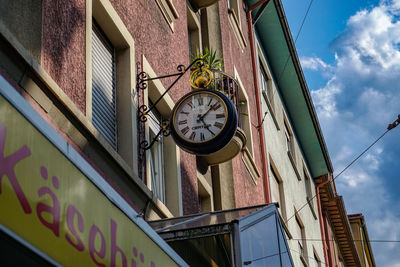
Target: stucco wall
(294, 187)
(63, 47)
(246, 192)
(64, 56)
(14, 14)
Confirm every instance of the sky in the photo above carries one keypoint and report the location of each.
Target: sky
(350, 55)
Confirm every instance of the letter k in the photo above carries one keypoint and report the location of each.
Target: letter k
(7, 165)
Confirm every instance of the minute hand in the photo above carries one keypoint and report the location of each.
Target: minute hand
(202, 116)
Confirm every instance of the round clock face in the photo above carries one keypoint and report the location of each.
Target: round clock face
(200, 117)
(203, 121)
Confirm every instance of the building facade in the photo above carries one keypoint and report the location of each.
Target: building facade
(87, 91)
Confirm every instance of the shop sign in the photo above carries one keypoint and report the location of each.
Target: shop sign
(64, 210)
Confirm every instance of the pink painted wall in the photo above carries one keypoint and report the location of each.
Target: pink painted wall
(63, 56)
(63, 47)
(246, 192)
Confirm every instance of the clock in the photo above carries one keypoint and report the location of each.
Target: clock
(203, 121)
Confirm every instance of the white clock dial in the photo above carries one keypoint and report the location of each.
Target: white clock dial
(200, 117)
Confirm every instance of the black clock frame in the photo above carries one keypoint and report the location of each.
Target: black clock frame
(216, 143)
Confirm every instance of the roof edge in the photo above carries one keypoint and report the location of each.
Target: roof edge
(304, 87)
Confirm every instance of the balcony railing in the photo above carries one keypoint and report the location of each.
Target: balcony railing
(228, 85)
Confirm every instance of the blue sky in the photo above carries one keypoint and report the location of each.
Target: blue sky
(350, 54)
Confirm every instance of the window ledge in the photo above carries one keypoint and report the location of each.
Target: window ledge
(284, 225)
(233, 19)
(271, 110)
(162, 207)
(294, 165)
(250, 164)
(310, 204)
(303, 260)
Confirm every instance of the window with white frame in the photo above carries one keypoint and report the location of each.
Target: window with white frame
(194, 33)
(266, 86)
(300, 237)
(317, 261)
(110, 80)
(277, 191)
(307, 183)
(156, 155)
(244, 110)
(289, 141)
(169, 11)
(163, 173)
(234, 6)
(104, 100)
(234, 10)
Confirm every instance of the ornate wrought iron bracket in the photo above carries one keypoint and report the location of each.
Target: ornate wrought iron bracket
(165, 131)
(143, 110)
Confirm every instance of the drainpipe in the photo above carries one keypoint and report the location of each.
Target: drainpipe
(321, 222)
(258, 103)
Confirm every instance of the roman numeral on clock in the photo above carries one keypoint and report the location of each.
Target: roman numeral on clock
(218, 124)
(216, 106)
(182, 122)
(192, 136)
(190, 104)
(184, 112)
(200, 99)
(202, 138)
(185, 130)
(220, 115)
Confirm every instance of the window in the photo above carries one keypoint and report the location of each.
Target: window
(309, 194)
(246, 126)
(163, 173)
(317, 260)
(104, 105)
(300, 236)
(290, 147)
(266, 87)
(110, 81)
(277, 190)
(205, 192)
(244, 110)
(156, 156)
(234, 10)
(194, 33)
(289, 140)
(233, 5)
(169, 12)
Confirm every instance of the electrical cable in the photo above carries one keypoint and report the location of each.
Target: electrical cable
(349, 240)
(348, 166)
(295, 41)
(309, 257)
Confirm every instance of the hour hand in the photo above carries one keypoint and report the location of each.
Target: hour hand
(206, 126)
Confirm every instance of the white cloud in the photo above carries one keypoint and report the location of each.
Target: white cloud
(355, 106)
(313, 63)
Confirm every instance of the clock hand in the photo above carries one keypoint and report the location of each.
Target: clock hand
(206, 126)
(202, 116)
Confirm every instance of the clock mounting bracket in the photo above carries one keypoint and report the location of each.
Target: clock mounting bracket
(143, 109)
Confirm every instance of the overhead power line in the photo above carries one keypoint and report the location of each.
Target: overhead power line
(390, 127)
(350, 240)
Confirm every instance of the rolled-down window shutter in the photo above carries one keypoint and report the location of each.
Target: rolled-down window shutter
(104, 107)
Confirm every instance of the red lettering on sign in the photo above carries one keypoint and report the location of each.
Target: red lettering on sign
(71, 213)
(114, 248)
(94, 230)
(7, 165)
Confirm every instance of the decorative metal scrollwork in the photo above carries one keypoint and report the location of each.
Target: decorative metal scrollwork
(165, 131)
(143, 110)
